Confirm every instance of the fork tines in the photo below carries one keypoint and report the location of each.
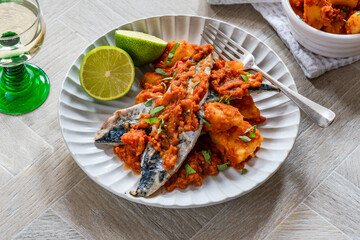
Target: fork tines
(221, 44)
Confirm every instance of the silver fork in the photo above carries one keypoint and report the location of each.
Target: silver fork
(230, 50)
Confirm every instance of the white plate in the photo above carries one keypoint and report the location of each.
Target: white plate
(80, 116)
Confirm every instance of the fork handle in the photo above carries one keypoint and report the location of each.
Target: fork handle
(319, 114)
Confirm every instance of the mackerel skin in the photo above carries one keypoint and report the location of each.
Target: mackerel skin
(120, 123)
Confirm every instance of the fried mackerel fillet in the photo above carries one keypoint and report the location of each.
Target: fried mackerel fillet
(158, 164)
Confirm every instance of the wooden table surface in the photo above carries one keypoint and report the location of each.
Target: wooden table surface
(45, 195)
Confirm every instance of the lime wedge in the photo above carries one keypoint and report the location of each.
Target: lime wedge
(107, 73)
(143, 48)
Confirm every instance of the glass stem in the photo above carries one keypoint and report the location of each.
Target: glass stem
(15, 79)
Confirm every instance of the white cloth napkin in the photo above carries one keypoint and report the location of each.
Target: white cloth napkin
(313, 65)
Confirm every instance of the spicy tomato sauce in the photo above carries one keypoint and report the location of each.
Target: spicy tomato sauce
(228, 81)
(179, 113)
(135, 143)
(196, 160)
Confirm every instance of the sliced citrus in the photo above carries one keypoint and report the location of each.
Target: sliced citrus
(107, 73)
(143, 48)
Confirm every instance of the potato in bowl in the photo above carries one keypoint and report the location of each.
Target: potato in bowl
(329, 28)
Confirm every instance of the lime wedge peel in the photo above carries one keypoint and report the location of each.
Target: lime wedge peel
(107, 73)
(142, 47)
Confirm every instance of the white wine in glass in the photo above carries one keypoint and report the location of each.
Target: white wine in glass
(23, 86)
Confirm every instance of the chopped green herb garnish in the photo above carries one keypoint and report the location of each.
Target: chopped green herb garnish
(302, 19)
(247, 73)
(164, 85)
(156, 110)
(253, 133)
(346, 23)
(223, 167)
(245, 78)
(195, 84)
(216, 99)
(244, 171)
(170, 78)
(160, 71)
(172, 52)
(160, 128)
(227, 100)
(207, 124)
(221, 99)
(207, 155)
(151, 120)
(227, 66)
(148, 103)
(245, 138)
(358, 13)
(189, 170)
(248, 130)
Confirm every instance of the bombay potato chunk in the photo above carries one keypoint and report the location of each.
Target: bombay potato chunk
(222, 117)
(353, 24)
(227, 124)
(184, 49)
(332, 16)
(315, 12)
(151, 78)
(248, 109)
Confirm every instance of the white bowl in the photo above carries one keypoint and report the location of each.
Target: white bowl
(322, 43)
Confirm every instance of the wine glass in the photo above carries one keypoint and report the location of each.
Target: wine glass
(23, 86)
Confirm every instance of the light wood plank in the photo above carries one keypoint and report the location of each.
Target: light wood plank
(17, 149)
(304, 223)
(52, 9)
(5, 175)
(64, 44)
(338, 201)
(49, 226)
(326, 90)
(144, 8)
(174, 223)
(98, 17)
(31, 192)
(44, 120)
(350, 168)
(247, 18)
(356, 64)
(88, 204)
